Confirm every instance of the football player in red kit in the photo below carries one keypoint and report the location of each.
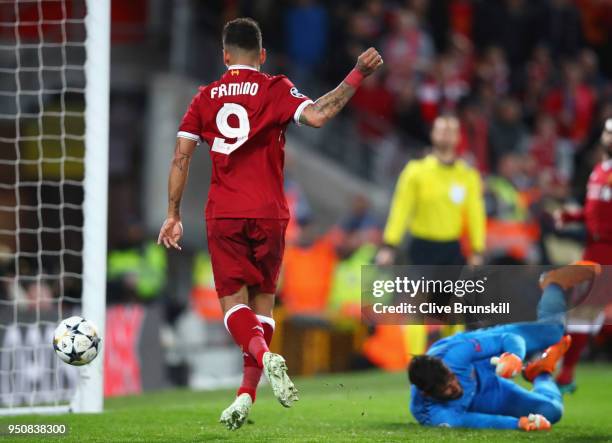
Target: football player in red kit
(597, 218)
(243, 117)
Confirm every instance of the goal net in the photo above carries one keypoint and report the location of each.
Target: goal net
(54, 65)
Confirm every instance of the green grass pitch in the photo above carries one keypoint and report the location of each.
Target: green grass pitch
(370, 406)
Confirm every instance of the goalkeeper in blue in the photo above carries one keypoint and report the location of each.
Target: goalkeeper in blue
(463, 380)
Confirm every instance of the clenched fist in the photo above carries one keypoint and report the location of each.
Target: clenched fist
(369, 61)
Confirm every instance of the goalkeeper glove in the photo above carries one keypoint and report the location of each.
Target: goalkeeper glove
(507, 365)
(534, 422)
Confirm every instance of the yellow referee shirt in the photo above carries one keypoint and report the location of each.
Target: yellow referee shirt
(433, 200)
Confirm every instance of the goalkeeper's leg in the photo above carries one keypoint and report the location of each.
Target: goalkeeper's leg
(544, 399)
(552, 307)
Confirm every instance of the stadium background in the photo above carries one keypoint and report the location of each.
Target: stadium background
(529, 81)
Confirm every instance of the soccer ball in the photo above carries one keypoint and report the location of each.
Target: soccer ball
(76, 341)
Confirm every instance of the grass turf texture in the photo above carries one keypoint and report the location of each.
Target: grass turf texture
(371, 406)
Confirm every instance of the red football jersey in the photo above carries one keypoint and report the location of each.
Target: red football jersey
(598, 205)
(243, 117)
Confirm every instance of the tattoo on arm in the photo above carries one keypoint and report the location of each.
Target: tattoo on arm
(179, 170)
(181, 159)
(331, 103)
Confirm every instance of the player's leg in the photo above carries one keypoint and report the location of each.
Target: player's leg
(552, 307)
(233, 270)
(599, 253)
(248, 333)
(244, 326)
(262, 305)
(544, 399)
(267, 237)
(565, 379)
(540, 334)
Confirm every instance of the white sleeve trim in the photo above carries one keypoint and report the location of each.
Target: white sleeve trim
(190, 136)
(298, 111)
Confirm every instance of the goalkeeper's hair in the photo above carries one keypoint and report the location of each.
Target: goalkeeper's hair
(243, 33)
(428, 373)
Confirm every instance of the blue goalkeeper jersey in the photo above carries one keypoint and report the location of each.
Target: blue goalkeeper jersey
(468, 356)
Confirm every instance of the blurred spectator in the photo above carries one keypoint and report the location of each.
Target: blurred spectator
(374, 109)
(504, 201)
(562, 27)
(306, 37)
(358, 248)
(507, 133)
(308, 265)
(408, 117)
(589, 63)
(373, 105)
(538, 78)
(204, 299)
(408, 50)
(442, 89)
(596, 21)
(461, 52)
(493, 70)
(373, 18)
(360, 218)
(299, 208)
(572, 104)
(515, 33)
(6, 272)
(137, 268)
(550, 151)
(461, 14)
(474, 143)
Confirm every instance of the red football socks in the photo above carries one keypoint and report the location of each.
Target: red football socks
(571, 358)
(247, 331)
(251, 372)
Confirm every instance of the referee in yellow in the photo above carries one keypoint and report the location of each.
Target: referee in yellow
(435, 199)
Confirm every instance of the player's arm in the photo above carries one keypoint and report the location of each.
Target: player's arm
(567, 215)
(402, 208)
(476, 218)
(484, 346)
(328, 106)
(172, 229)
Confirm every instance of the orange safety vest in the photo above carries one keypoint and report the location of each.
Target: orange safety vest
(307, 277)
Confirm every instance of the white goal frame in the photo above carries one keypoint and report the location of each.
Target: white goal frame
(89, 394)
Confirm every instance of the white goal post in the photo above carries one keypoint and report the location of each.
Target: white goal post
(89, 396)
(54, 135)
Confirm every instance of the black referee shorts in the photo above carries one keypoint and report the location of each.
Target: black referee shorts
(427, 252)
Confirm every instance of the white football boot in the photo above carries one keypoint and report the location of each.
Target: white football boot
(275, 369)
(236, 414)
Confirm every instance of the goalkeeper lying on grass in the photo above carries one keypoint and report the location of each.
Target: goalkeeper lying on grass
(462, 380)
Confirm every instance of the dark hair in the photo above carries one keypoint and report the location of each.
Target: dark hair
(243, 33)
(428, 373)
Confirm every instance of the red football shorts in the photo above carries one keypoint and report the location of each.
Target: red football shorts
(246, 251)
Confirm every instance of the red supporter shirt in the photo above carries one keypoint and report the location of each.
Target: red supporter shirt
(243, 117)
